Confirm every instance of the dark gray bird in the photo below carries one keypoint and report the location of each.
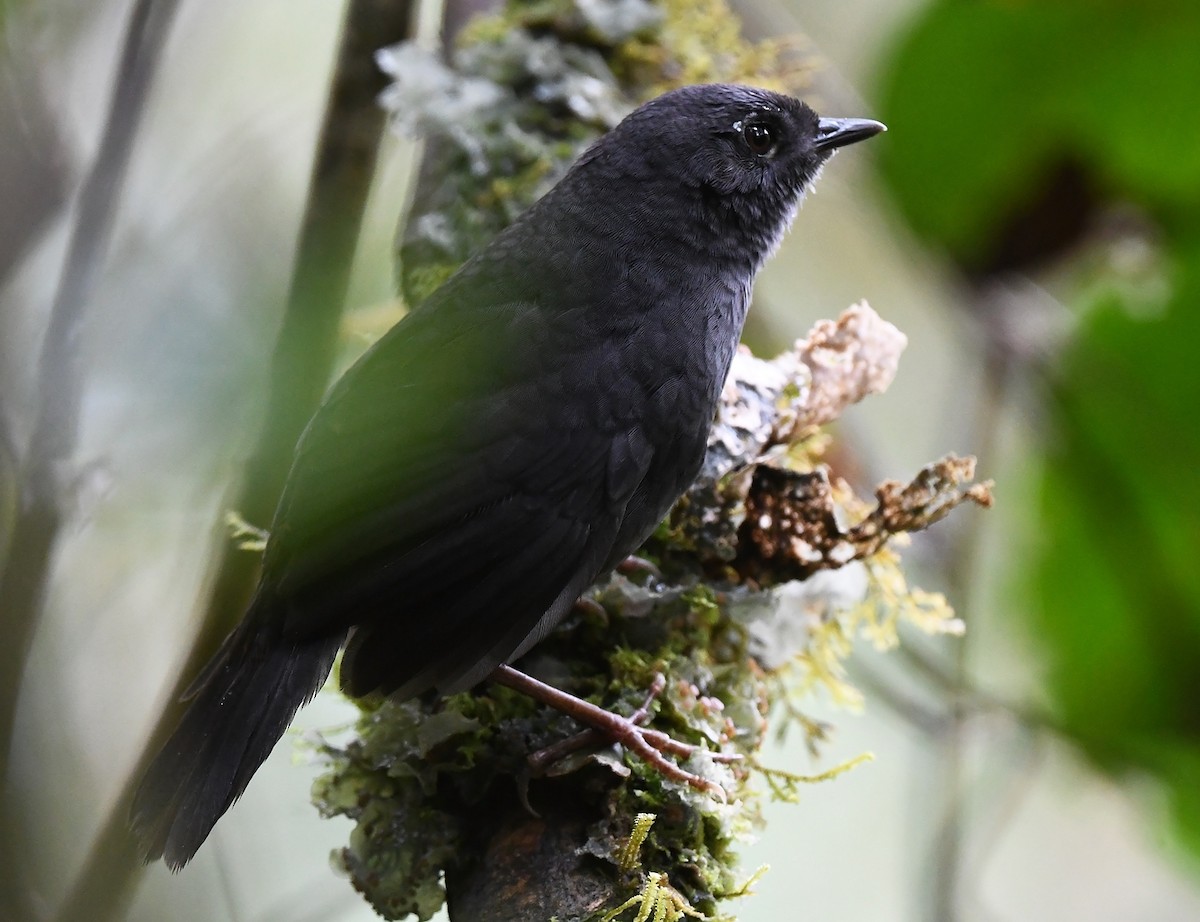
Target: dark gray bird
(508, 442)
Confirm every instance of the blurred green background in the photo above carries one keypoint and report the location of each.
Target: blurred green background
(1031, 221)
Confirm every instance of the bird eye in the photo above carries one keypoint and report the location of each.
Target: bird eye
(759, 138)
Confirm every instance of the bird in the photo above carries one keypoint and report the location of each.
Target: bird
(512, 439)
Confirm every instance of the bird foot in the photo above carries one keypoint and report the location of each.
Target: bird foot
(650, 745)
(633, 565)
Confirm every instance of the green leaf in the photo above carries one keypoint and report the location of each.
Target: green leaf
(1117, 586)
(983, 98)
(984, 101)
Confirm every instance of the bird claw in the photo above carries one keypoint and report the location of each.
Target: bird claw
(633, 564)
(589, 606)
(650, 745)
(631, 732)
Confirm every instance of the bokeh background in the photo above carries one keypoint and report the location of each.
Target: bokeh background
(1031, 221)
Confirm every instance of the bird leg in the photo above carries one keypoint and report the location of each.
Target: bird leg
(628, 731)
(544, 758)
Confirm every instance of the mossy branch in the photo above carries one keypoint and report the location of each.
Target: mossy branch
(763, 575)
(446, 787)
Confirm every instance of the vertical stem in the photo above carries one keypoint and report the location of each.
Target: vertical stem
(342, 171)
(343, 168)
(304, 354)
(947, 857)
(44, 466)
(34, 169)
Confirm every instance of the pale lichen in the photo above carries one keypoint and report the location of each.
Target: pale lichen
(532, 86)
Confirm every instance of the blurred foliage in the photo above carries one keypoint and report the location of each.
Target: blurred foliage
(988, 102)
(986, 98)
(1118, 585)
(8, 490)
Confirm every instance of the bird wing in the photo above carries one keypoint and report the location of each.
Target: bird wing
(443, 502)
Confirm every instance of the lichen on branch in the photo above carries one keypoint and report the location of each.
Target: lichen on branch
(764, 573)
(733, 615)
(529, 89)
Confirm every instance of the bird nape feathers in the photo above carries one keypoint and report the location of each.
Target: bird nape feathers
(508, 442)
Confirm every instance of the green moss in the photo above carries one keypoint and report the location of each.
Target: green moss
(425, 280)
(429, 781)
(401, 840)
(421, 772)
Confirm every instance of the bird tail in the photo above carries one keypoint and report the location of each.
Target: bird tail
(238, 710)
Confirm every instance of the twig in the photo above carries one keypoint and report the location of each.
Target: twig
(60, 386)
(947, 852)
(34, 168)
(304, 353)
(1021, 778)
(341, 178)
(976, 699)
(917, 713)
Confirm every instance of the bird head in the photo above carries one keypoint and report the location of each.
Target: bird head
(744, 155)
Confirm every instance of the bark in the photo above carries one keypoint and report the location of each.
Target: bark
(530, 869)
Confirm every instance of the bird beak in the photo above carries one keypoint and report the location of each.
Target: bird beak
(833, 133)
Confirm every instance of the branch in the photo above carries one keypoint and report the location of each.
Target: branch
(343, 168)
(44, 468)
(449, 786)
(499, 887)
(445, 793)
